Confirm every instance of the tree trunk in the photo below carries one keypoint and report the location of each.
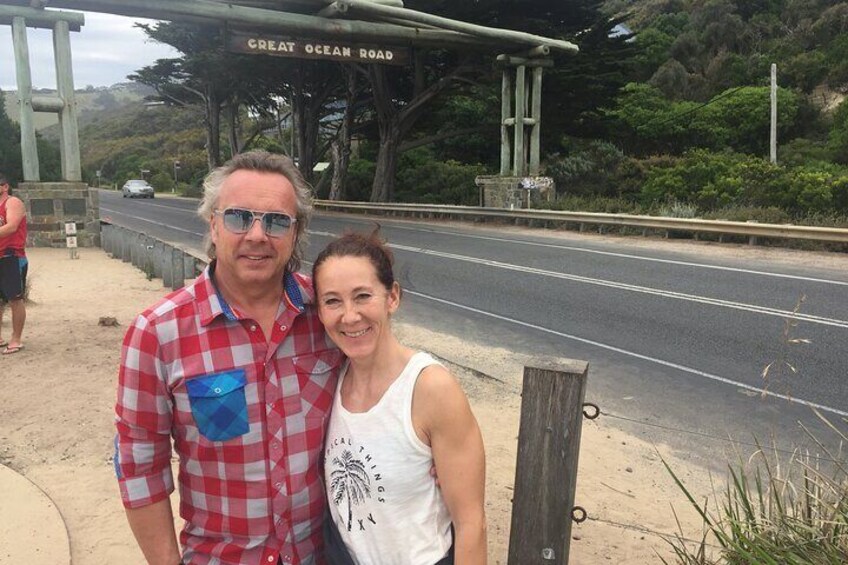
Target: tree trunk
(232, 127)
(383, 189)
(213, 129)
(340, 150)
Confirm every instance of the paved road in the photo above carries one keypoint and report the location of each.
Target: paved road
(675, 339)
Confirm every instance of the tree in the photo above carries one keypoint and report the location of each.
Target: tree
(10, 145)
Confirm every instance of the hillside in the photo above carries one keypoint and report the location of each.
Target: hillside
(89, 101)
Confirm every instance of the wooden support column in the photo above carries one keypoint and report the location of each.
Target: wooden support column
(29, 149)
(536, 114)
(518, 160)
(68, 133)
(506, 114)
(546, 470)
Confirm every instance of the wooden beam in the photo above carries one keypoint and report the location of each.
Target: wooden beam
(287, 22)
(506, 116)
(29, 148)
(546, 469)
(41, 18)
(68, 130)
(373, 9)
(52, 104)
(510, 60)
(536, 116)
(518, 160)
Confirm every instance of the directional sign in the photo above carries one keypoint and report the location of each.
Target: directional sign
(278, 46)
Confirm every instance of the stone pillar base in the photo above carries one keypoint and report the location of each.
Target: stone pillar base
(50, 204)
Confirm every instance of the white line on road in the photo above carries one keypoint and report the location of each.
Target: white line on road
(629, 287)
(625, 256)
(164, 225)
(648, 358)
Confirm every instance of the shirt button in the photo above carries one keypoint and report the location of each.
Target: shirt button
(284, 327)
(278, 485)
(253, 328)
(270, 559)
(275, 446)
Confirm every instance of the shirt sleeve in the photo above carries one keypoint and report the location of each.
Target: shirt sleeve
(143, 415)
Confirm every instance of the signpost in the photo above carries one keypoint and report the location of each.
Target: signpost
(71, 239)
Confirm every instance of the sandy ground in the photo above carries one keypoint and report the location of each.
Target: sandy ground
(57, 408)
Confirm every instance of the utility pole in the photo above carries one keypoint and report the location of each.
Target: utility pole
(773, 136)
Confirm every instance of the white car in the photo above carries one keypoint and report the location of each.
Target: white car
(137, 189)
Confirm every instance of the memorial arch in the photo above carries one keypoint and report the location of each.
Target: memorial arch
(366, 31)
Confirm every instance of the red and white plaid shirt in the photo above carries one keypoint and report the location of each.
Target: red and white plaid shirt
(253, 493)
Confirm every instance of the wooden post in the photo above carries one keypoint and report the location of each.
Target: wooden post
(518, 149)
(506, 113)
(536, 114)
(68, 138)
(29, 148)
(546, 470)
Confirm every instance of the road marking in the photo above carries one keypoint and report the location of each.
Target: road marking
(628, 287)
(164, 225)
(628, 256)
(628, 353)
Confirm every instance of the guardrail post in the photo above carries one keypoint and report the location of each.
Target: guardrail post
(167, 266)
(126, 247)
(135, 253)
(158, 258)
(190, 266)
(546, 471)
(147, 256)
(105, 235)
(177, 268)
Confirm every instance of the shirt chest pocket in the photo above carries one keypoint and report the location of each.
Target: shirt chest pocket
(218, 404)
(316, 374)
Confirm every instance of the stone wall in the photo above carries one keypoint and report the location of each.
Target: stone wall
(50, 204)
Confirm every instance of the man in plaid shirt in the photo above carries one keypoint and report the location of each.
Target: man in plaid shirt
(236, 369)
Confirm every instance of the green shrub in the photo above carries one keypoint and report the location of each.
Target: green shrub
(423, 179)
(774, 512)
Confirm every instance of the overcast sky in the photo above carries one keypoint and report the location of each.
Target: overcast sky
(104, 52)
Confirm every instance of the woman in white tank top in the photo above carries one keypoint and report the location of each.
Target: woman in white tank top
(396, 414)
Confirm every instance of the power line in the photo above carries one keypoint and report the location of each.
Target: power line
(695, 109)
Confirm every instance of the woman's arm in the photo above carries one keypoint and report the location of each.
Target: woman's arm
(443, 418)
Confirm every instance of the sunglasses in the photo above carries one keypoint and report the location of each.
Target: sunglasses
(239, 220)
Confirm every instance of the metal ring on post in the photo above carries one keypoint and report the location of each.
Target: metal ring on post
(579, 514)
(593, 415)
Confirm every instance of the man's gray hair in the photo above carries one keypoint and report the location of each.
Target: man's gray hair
(265, 162)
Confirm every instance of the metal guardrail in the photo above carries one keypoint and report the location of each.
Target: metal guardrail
(158, 259)
(749, 229)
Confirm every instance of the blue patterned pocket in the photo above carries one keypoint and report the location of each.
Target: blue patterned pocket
(218, 404)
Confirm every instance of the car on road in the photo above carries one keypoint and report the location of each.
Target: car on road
(135, 188)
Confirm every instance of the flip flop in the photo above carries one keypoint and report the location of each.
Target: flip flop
(12, 350)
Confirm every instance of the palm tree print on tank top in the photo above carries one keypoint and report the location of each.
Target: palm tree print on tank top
(352, 482)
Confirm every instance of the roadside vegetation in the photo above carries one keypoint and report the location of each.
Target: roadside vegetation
(776, 509)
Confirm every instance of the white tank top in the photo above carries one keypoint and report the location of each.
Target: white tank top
(387, 506)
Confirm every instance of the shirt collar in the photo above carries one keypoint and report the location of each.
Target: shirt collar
(297, 292)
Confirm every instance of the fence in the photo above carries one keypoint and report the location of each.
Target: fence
(158, 259)
(751, 230)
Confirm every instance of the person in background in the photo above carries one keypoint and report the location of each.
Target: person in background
(236, 368)
(396, 413)
(13, 265)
